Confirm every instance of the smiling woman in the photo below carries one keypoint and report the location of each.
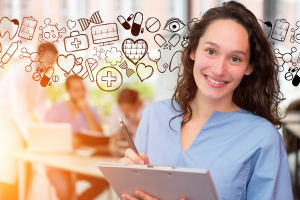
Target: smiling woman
(224, 112)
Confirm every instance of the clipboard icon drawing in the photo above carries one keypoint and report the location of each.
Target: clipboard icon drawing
(162, 182)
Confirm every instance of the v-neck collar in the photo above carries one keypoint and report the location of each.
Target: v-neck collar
(73, 118)
(215, 117)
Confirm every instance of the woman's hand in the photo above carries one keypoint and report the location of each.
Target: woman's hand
(142, 194)
(132, 158)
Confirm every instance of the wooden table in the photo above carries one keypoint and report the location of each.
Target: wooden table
(70, 162)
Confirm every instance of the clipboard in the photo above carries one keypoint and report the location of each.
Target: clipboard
(161, 182)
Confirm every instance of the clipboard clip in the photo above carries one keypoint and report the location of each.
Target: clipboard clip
(152, 166)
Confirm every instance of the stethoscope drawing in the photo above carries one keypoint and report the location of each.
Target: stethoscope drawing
(165, 66)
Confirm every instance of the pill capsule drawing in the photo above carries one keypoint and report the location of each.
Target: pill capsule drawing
(47, 77)
(123, 22)
(174, 40)
(137, 23)
(160, 40)
(296, 80)
(130, 17)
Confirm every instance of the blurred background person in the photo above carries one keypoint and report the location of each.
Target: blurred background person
(21, 101)
(77, 112)
(130, 108)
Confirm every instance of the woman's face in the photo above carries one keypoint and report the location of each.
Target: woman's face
(221, 59)
(76, 89)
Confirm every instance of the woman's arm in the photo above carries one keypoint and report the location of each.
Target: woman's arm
(271, 181)
(93, 124)
(270, 178)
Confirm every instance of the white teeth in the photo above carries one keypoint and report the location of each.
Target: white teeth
(213, 81)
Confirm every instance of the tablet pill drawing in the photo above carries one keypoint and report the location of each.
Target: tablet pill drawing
(137, 23)
(152, 25)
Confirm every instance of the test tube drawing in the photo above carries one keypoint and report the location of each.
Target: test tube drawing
(9, 53)
(47, 77)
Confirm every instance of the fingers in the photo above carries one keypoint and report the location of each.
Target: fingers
(129, 153)
(145, 158)
(128, 197)
(141, 194)
(126, 161)
(132, 158)
(144, 195)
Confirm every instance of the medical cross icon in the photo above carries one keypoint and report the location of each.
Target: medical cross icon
(109, 78)
(76, 43)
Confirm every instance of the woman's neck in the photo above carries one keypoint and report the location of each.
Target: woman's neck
(73, 108)
(204, 107)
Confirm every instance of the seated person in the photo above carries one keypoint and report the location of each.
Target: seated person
(80, 115)
(130, 108)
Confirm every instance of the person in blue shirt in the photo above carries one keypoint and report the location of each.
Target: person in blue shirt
(224, 112)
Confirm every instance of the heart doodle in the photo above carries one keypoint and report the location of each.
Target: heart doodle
(78, 66)
(79, 60)
(144, 71)
(134, 51)
(66, 63)
(71, 24)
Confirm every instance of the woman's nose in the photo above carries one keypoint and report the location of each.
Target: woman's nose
(219, 68)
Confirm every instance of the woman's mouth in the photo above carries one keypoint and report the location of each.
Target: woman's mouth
(215, 83)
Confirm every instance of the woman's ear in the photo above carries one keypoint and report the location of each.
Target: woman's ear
(249, 70)
(192, 55)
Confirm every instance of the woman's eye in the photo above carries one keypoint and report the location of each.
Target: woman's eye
(173, 25)
(235, 59)
(210, 51)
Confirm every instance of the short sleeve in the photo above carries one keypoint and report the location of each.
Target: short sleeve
(271, 177)
(141, 138)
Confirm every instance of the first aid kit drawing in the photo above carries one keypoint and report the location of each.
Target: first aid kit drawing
(76, 42)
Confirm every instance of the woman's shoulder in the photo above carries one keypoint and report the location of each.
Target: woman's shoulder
(259, 128)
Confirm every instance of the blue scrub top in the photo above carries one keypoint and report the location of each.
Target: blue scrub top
(244, 152)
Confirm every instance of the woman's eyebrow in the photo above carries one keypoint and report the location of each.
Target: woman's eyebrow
(216, 45)
(211, 43)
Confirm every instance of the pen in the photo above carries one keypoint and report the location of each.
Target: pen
(127, 136)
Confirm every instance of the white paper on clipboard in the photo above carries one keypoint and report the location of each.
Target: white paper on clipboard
(160, 182)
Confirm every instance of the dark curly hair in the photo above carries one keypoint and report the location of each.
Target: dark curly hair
(258, 92)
